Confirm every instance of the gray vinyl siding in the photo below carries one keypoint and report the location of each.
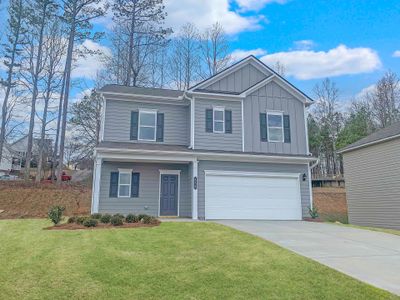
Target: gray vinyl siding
(273, 97)
(118, 120)
(251, 167)
(148, 200)
(217, 141)
(239, 80)
(372, 177)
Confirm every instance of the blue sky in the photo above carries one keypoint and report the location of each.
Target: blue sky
(351, 41)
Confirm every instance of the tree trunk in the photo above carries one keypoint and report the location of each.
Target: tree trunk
(131, 48)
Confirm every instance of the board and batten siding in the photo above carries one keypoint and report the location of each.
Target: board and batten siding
(217, 141)
(274, 98)
(372, 177)
(252, 167)
(148, 200)
(239, 80)
(118, 121)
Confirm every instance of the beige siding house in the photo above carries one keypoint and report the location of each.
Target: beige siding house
(372, 174)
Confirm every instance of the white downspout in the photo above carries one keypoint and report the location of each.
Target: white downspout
(192, 104)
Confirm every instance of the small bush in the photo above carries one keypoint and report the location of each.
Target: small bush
(55, 214)
(141, 216)
(131, 218)
(105, 219)
(96, 216)
(71, 220)
(313, 212)
(119, 216)
(148, 220)
(90, 223)
(116, 221)
(81, 219)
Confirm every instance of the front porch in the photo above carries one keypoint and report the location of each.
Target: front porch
(160, 187)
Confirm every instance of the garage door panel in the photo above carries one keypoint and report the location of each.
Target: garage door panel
(252, 197)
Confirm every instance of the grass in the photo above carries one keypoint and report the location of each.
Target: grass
(385, 230)
(172, 261)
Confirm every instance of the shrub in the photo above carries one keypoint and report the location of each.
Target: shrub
(313, 212)
(119, 216)
(90, 223)
(81, 219)
(141, 216)
(105, 219)
(131, 218)
(55, 214)
(116, 221)
(96, 216)
(71, 220)
(148, 220)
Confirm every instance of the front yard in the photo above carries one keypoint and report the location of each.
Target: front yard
(172, 261)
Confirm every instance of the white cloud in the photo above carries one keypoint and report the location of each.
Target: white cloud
(396, 53)
(308, 64)
(304, 44)
(90, 65)
(239, 54)
(365, 91)
(255, 5)
(206, 12)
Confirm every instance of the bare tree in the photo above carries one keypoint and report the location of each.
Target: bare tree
(279, 68)
(77, 17)
(185, 59)
(215, 50)
(16, 30)
(385, 100)
(139, 25)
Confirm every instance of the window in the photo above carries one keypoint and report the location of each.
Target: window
(219, 119)
(275, 126)
(147, 125)
(124, 183)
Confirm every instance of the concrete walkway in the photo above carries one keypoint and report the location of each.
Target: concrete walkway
(372, 257)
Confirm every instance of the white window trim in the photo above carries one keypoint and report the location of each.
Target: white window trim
(125, 171)
(276, 113)
(223, 119)
(148, 111)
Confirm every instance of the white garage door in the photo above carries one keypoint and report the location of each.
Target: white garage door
(253, 196)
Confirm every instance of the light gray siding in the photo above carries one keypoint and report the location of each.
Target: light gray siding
(239, 80)
(372, 177)
(273, 97)
(118, 120)
(148, 200)
(217, 141)
(251, 167)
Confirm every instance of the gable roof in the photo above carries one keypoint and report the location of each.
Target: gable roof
(199, 87)
(380, 136)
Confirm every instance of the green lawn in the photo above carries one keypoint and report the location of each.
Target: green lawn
(173, 261)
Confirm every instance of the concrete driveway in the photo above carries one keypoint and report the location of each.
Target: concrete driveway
(369, 256)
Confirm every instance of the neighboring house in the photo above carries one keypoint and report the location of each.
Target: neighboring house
(372, 174)
(232, 147)
(6, 162)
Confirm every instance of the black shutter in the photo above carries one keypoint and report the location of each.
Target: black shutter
(209, 120)
(134, 125)
(286, 128)
(135, 185)
(228, 121)
(160, 127)
(114, 184)
(263, 127)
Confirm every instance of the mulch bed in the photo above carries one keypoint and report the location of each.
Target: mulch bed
(313, 220)
(74, 226)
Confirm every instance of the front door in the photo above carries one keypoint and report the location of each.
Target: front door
(169, 195)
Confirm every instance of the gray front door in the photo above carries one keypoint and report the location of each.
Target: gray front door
(169, 195)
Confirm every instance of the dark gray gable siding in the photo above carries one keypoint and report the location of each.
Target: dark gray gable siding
(373, 185)
(148, 189)
(217, 141)
(118, 120)
(238, 81)
(251, 167)
(273, 97)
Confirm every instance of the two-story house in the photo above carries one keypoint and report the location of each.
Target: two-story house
(232, 147)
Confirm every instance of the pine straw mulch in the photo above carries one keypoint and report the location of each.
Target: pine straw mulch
(74, 226)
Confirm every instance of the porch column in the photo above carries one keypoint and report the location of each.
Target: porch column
(96, 185)
(195, 184)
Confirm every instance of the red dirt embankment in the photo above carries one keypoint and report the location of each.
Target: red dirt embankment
(28, 200)
(331, 204)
